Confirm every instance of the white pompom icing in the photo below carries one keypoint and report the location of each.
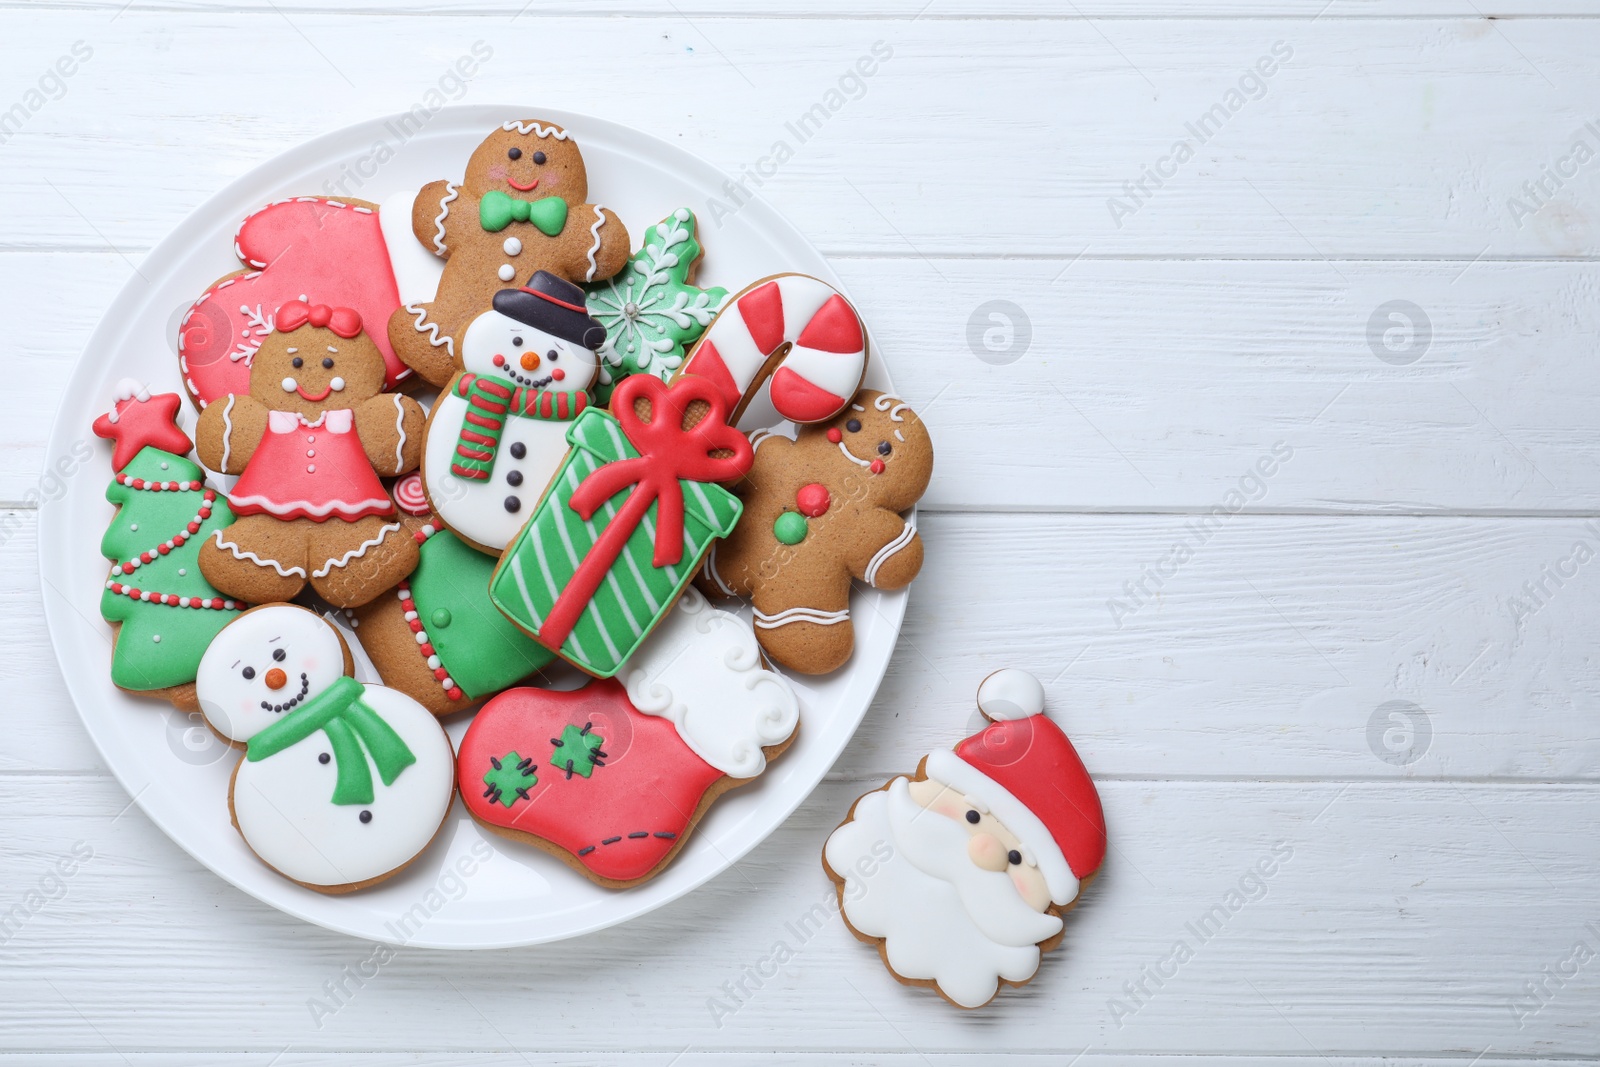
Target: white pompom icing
(1010, 694)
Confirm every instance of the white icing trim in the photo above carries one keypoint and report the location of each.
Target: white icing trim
(346, 509)
(882, 556)
(227, 431)
(950, 769)
(884, 402)
(399, 428)
(1010, 694)
(354, 553)
(431, 329)
(239, 553)
(815, 616)
(594, 231)
(711, 570)
(451, 191)
(526, 128)
(851, 456)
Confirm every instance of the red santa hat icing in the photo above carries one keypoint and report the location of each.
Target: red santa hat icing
(1023, 770)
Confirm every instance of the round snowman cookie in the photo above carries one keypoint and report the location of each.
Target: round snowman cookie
(499, 429)
(342, 784)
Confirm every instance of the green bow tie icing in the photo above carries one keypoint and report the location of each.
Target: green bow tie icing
(351, 727)
(496, 211)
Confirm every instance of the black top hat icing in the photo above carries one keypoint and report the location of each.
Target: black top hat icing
(553, 305)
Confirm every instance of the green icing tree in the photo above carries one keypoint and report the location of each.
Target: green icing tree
(166, 610)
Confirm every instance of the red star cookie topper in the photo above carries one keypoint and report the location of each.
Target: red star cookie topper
(138, 419)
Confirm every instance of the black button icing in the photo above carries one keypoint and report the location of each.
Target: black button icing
(513, 504)
(518, 450)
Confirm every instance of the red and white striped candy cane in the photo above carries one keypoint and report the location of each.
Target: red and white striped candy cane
(795, 329)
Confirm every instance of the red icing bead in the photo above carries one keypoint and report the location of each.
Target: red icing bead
(876, 466)
(812, 500)
(427, 650)
(441, 674)
(163, 549)
(454, 693)
(834, 436)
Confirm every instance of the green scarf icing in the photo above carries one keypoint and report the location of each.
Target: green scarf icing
(498, 210)
(351, 725)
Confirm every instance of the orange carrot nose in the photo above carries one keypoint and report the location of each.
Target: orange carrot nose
(276, 679)
(530, 361)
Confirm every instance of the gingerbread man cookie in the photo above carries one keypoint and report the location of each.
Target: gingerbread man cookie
(819, 511)
(519, 209)
(961, 873)
(309, 441)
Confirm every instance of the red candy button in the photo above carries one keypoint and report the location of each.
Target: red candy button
(812, 500)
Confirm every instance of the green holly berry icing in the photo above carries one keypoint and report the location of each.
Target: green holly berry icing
(160, 642)
(509, 778)
(649, 310)
(790, 528)
(577, 751)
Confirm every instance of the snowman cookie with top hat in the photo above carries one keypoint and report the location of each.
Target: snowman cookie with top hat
(342, 784)
(499, 428)
(960, 873)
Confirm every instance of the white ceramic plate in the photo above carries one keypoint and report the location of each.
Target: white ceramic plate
(178, 774)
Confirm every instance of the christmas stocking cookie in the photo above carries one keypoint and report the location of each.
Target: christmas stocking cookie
(342, 784)
(820, 511)
(960, 874)
(309, 441)
(499, 428)
(304, 244)
(612, 779)
(519, 209)
(436, 637)
(161, 609)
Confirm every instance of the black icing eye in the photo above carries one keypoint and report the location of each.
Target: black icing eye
(884, 448)
(327, 364)
(249, 673)
(1014, 856)
(552, 355)
(538, 157)
(515, 153)
(854, 425)
(973, 816)
(297, 363)
(279, 655)
(516, 342)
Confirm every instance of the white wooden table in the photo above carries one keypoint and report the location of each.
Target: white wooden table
(1349, 271)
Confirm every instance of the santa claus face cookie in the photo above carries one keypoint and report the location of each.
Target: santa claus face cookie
(342, 785)
(961, 873)
(820, 511)
(499, 429)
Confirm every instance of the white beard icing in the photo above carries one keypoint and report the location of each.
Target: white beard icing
(283, 803)
(701, 669)
(931, 928)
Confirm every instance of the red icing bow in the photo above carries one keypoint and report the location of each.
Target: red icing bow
(667, 452)
(296, 313)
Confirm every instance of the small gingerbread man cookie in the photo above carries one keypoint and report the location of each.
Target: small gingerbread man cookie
(819, 511)
(519, 209)
(309, 441)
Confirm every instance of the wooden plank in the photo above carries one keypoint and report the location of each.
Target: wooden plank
(942, 156)
(1270, 653)
(1141, 386)
(1401, 905)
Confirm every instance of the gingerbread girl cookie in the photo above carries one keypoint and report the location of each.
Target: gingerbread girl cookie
(960, 873)
(819, 511)
(519, 209)
(309, 441)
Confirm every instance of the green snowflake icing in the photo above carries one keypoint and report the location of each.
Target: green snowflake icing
(649, 310)
(577, 751)
(509, 779)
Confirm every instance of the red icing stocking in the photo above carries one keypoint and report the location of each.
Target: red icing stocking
(585, 772)
(326, 250)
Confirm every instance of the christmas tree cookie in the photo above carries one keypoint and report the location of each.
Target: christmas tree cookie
(652, 309)
(162, 610)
